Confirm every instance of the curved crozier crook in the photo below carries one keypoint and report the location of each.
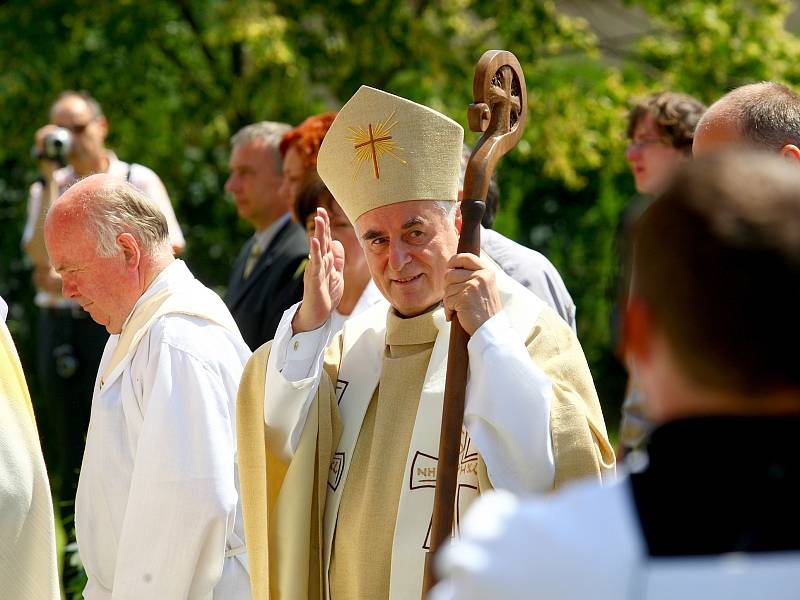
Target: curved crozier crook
(500, 110)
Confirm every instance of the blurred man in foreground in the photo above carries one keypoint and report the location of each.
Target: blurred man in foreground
(157, 512)
(712, 513)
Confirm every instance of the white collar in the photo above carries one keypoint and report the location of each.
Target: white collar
(175, 272)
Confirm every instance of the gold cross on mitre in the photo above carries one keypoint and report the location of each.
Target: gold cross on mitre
(373, 143)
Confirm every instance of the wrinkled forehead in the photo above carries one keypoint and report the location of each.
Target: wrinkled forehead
(403, 215)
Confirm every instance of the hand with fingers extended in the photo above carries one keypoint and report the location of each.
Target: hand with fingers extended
(323, 281)
(470, 292)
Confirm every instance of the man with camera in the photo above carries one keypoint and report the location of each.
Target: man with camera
(69, 343)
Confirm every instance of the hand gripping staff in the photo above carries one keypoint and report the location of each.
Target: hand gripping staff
(499, 110)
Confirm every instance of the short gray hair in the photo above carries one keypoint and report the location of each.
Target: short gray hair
(119, 207)
(448, 208)
(767, 114)
(269, 132)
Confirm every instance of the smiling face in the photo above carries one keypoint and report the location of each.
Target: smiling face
(650, 155)
(106, 287)
(407, 246)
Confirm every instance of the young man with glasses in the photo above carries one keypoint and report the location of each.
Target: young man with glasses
(69, 344)
(661, 129)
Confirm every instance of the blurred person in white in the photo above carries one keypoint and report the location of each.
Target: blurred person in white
(711, 509)
(157, 512)
(69, 344)
(28, 549)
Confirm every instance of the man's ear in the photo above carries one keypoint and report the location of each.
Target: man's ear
(637, 331)
(459, 218)
(130, 250)
(791, 153)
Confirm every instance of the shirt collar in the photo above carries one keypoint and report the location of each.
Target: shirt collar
(264, 237)
(175, 272)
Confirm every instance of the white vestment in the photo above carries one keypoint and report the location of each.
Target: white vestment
(587, 543)
(27, 532)
(157, 511)
(368, 298)
(507, 416)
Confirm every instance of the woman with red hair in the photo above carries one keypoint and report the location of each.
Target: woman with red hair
(299, 148)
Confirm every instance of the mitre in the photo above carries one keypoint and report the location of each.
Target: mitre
(383, 149)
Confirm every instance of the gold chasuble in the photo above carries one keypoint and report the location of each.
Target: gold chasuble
(365, 527)
(349, 515)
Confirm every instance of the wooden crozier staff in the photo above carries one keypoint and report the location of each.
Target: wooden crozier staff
(500, 111)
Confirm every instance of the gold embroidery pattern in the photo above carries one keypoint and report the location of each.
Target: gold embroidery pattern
(372, 143)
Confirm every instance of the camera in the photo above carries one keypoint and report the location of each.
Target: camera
(56, 146)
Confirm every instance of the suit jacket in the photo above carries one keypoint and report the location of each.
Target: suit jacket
(276, 282)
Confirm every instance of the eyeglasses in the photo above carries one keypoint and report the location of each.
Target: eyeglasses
(639, 144)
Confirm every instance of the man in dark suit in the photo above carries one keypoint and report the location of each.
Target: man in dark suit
(267, 277)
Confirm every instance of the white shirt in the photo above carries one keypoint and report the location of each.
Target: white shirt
(586, 542)
(138, 175)
(157, 506)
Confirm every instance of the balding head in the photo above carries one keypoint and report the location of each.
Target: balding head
(108, 242)
(109, 206)
(764, 116)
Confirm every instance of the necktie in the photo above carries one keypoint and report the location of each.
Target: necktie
(255, 253)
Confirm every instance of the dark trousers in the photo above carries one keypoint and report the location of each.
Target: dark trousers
(69, 349)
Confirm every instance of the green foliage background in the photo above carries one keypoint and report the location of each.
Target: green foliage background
(177, 78)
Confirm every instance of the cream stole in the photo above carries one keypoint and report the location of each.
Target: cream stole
(362, 348)
(186, 296)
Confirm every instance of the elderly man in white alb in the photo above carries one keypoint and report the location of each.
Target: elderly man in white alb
(157, 512)
(337, 446)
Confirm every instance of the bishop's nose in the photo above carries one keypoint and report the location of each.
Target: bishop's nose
(399, 256)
